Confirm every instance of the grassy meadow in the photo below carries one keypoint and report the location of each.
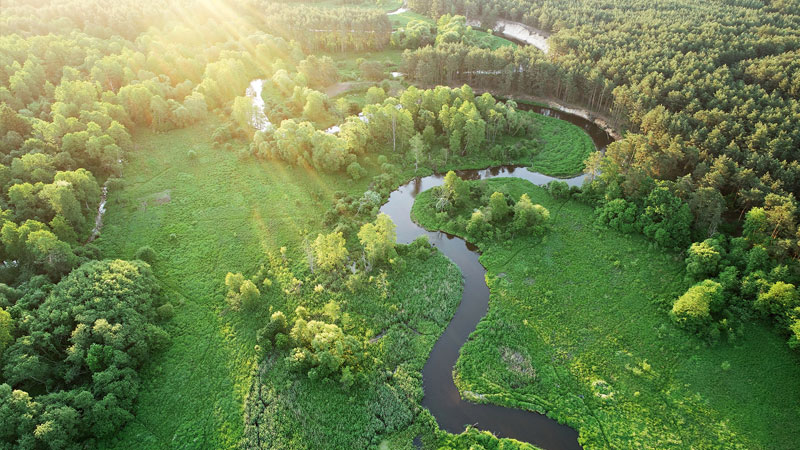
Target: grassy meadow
(578, 328)
(207, 215)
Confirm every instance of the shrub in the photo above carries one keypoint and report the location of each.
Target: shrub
(249, 295)
(618, 214)
(166, 311)
(355, 171)
(146, 254)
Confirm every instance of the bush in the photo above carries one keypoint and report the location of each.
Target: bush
(249, 295)
(355, 171)
(166, 311)
(693, 309)
(146, 254)
(618, 214)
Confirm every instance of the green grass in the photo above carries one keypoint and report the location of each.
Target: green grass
(585, 309)
(402, 19)
(404, 319)
(225, 214)
(564, 147)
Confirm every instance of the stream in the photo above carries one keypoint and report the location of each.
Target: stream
(441, 394)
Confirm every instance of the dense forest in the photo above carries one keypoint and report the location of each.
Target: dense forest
(265, 241)
(713, 125)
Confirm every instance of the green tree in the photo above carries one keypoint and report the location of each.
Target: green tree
(379, 239)
(330, 253)
(249, 295)
(498, 207)
(704, 260)
(693, 309)
(6, 330)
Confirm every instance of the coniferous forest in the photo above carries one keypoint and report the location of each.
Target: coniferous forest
(391, 224)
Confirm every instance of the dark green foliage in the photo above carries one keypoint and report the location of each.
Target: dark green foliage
(666, 219)
(618, 214)
(77, 353)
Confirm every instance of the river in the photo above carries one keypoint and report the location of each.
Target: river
(441, 395)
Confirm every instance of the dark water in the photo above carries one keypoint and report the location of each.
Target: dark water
(441, 395)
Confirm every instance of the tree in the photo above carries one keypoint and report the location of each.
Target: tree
(529, 217)
(704, 259)
(498, 207)
(778, 300)
(314, 109)
(79, 349)
(249, 295)
(6, 329)
(455, 189)
(379, 239)
(417, 149)
(666, 219)
(330, 253)
(692, 310)
(375, 95)
(242, 113)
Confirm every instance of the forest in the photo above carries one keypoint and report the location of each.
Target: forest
(221, 223)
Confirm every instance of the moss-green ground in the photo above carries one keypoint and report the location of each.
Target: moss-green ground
(577, 328)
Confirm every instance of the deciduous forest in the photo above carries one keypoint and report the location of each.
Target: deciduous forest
(444, 224)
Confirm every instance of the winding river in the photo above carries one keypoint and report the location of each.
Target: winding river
(441, 395)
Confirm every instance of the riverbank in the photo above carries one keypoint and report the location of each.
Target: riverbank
(558, 338)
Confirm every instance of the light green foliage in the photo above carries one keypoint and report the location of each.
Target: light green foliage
(249, 295)
(379, 239)
(692, 310)
(781, 297)
(564, 305)
(6, 328)
(329, 250)
(498, 207)
(529, 218)
(375, 94)
(415, 34)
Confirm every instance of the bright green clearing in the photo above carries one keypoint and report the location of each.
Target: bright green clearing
(564, 147)
(577, 328)
(206, 216)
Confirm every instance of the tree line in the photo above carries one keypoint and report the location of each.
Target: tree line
(326, 29)
(710, 109)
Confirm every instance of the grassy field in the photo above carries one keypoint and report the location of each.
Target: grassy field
(563, 147)
(577, 328)
(205, 217)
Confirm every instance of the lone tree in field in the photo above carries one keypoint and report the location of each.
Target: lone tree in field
(379, 239)
(329, 252)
